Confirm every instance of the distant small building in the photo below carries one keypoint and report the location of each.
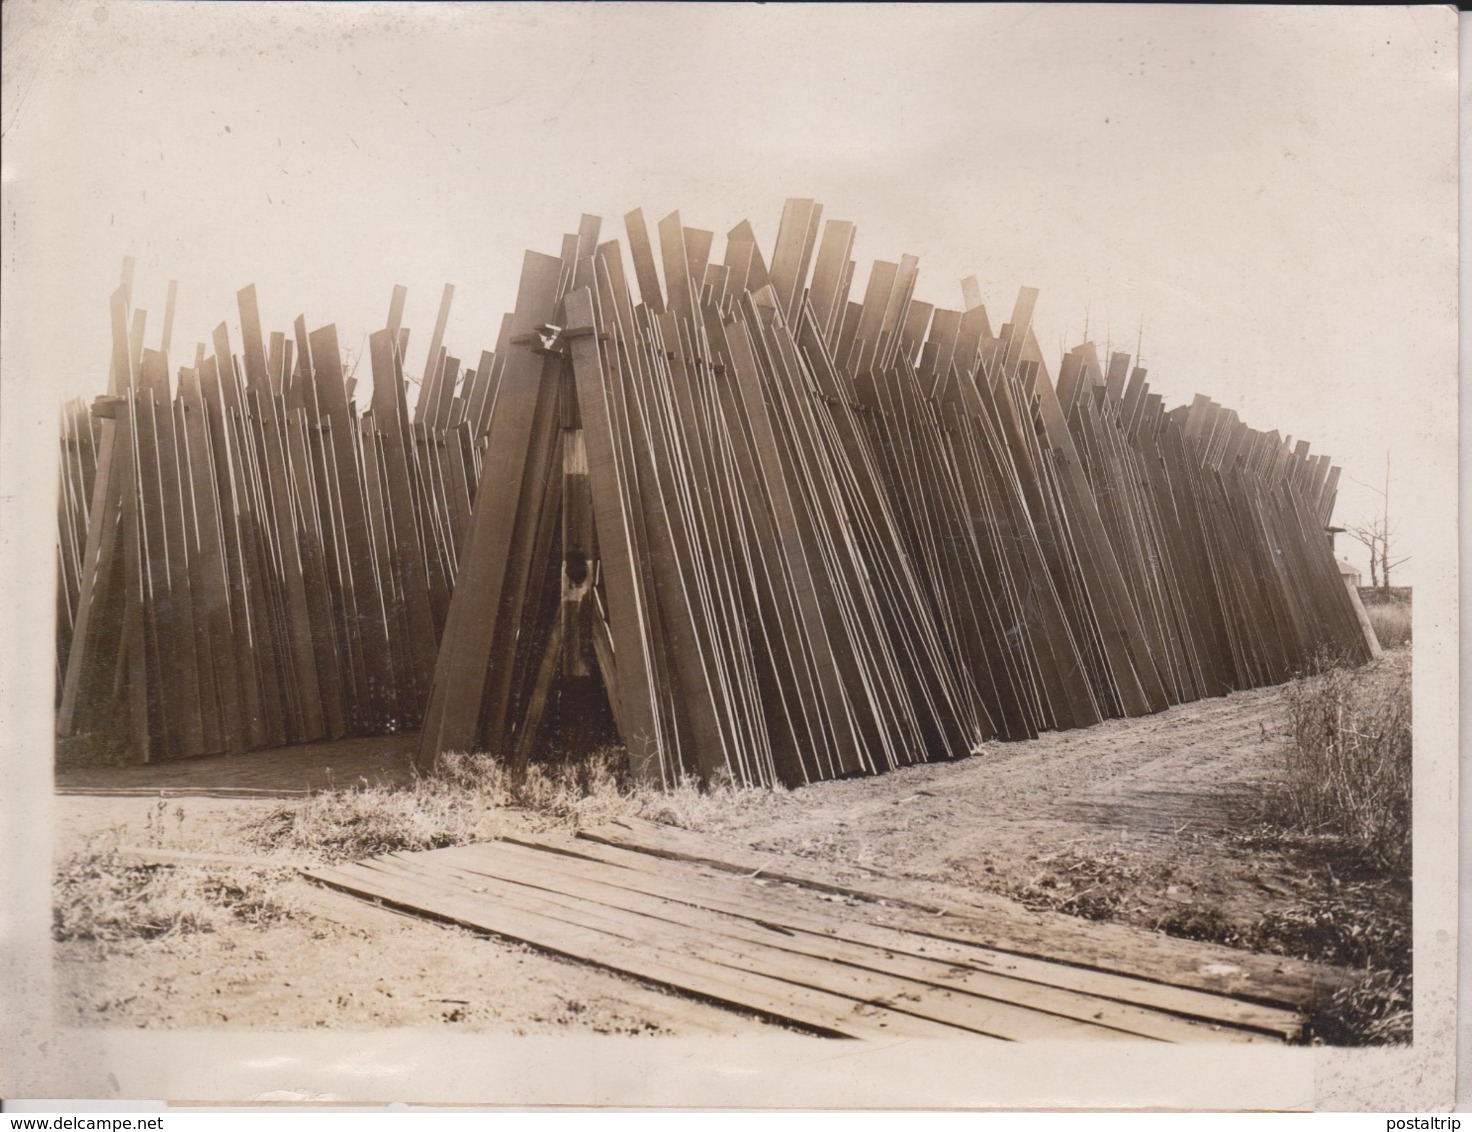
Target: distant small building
(1350, 575)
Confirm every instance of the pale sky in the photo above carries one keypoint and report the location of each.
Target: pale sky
(1271, 190)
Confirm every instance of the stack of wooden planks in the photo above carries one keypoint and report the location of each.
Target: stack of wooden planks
(795, 533)
(743, 930)
(246, 559)
(805, 535)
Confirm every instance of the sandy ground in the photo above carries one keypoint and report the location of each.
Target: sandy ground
(1148, 821)
(336, 966)
(1156, 801)
(292, 973)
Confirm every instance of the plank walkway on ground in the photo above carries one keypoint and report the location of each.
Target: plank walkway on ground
(740, 929)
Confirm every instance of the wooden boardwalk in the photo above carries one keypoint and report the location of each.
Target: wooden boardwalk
(739, 929)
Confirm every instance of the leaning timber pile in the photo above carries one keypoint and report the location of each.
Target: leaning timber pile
(790, 534)
(246, 559)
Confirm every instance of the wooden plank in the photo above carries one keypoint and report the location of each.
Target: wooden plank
(863, 974)
(135, 340)
(178, 616)
(796, 236)
(896, 308)
(588, 228)
(912, 334)
(100, 601)
(650, 293)
(141, 677)
(426, 404)
(827, 293)
(877, 293)
(533, 715)
(743, 909)
(1264, 979)
(1115, 376)
(798, 566)
(528, 609)
(297, 640)
(396, 303)
(166, 335)
(256, 372)
(313, 549)
(744, 257)
(209, 576)
(258, 574)
(679, 286)
(278, 364)
(300, 394)
(173, 715)
(697, 256)
(248, 730)
(391, 424)
(815, 1011)
(454, 706)
(481, 395)
(1327, 497)
(364, 602)
(1175, 1013)
(792, 682)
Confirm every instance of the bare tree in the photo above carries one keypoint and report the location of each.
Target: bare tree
(1378, 535)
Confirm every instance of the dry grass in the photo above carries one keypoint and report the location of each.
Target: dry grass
(471, 798)
(1392, 622)
(101, 896)
(1349, 759)
(1333, 833)
(1348, 786)
(98, 896)
(466, 799)
(1336, 912)
(705, 809)
(1373, 1009)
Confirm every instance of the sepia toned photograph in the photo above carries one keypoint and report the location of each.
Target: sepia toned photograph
(718, 555)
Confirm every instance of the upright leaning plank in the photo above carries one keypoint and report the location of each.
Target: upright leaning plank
(450, 721)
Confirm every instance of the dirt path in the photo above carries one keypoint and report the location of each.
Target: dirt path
(1153, 797)
(1164, 823)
